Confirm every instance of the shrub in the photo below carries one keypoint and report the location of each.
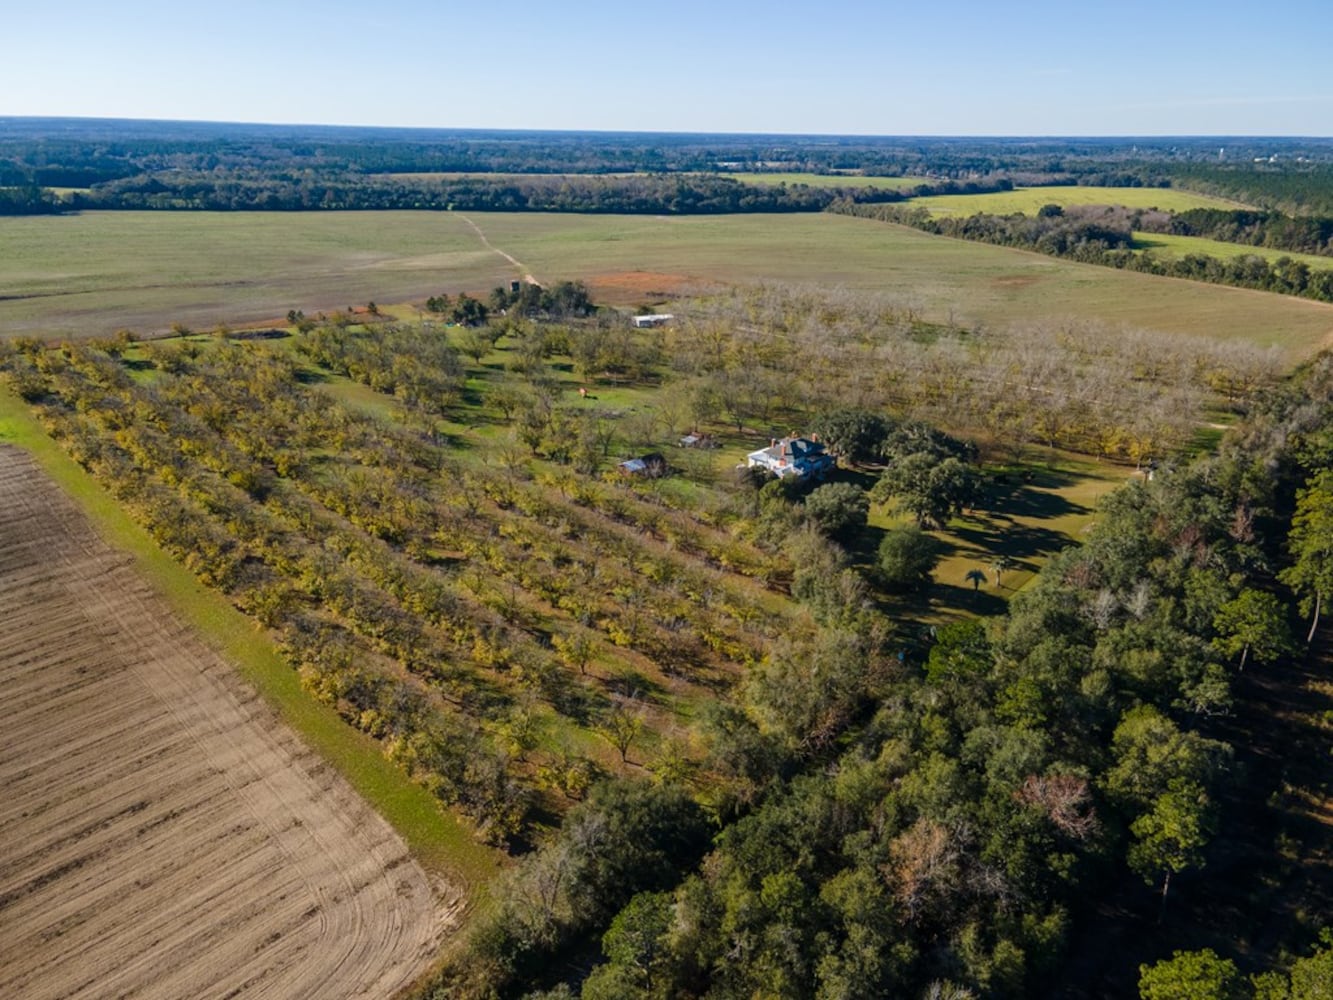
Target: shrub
(907, 558)
(838, 510)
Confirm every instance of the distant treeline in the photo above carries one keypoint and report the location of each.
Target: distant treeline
(661, 194)
(648, 193)
(29, 200)
(1301, 234)
(83, 170)
(199, 165)
(1300, 187)
(86, 153)
(1095, 236)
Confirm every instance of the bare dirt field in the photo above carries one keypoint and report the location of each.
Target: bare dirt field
(161, 835)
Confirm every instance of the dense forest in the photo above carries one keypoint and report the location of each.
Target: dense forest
(1294, 183)
(29, 200)
(637, 194)
(658, 194)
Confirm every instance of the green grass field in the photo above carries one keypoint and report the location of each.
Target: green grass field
(442, 843)
(832, 180)
(1028, 200)
(93, 273)
(1179, 246)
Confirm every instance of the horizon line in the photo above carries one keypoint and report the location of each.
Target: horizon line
(995, 136)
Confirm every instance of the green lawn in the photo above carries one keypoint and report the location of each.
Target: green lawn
(443, 844)
(1028, 200)
(1030, 512)
(94, 273)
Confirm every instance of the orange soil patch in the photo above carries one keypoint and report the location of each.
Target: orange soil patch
(161, 833)
(633, 287)
(1015, 281)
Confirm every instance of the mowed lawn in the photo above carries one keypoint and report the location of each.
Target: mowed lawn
(1028, 200)
(94, 273)
(1027, 516)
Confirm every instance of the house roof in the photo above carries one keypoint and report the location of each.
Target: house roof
(794, 449)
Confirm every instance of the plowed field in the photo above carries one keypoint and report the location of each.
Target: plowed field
(161, 835)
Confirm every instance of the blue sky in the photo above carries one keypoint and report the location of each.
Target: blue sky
(1025, 67)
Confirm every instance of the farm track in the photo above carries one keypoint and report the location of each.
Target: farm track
(161, 834)
(522, 268)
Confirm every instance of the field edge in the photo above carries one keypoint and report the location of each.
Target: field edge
(441, 843)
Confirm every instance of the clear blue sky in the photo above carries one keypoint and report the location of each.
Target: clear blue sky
(1024, 67)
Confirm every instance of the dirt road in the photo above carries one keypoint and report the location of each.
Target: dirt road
(518, 264)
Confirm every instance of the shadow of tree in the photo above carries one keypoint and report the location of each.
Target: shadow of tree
(993, 537)
(857, 477)
(307, 375)
(631, 683)
(940, 600)
(954, 598)
(1030, 494)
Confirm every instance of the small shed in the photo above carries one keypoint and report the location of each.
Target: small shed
(650, 466)
(696, 440)
(653, 319)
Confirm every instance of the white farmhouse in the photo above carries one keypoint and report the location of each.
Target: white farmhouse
(792, 456)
